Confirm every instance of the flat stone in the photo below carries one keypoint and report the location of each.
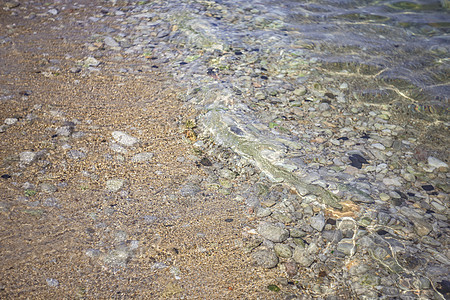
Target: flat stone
(273, 233)
(421, 227)
(91, 62)
(48, 188)
(266, 259)
(27, 157)
(392, 181)
(114, 185)
(124, 138)
(76, 154)
(282, 250)
(111, 42)
(346, 246)
(378, 146)
(318, 222)
(117, 148)
(302, 257)
(300, 91)
(142, 157)
(64, 131)
(10, 121)
(436, 163)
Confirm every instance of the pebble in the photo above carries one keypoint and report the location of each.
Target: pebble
(142, 157)
(124, 138)
(323, 142)
(273, 232)
(52, 282)
(10, 121)
(436, 163)
(114, 185)
(27, 157)
(318, 222)
(266, 259)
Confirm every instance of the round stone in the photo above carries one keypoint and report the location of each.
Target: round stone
(282, 250)
(266, 259)
(273, 233)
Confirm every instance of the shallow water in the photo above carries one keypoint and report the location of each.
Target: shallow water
(387, 51)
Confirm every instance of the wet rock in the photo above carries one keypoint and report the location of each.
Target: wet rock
(273, 233)
(117, 258)
(266, 259)
(302, 257)
(124, 138)
(435, 163)
(318, 222)
(421, 227)
(346, 246)
(282, 250)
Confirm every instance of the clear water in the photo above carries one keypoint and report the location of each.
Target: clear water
(394, 52)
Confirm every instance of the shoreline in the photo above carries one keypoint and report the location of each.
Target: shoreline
(384, 233)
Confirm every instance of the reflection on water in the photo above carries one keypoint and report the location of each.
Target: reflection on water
(398, 49)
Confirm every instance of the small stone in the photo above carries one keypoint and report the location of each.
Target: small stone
(27, 157)
(52, 282)
(346, 246)
(260, 96)
(114, 185)
(384, 197)
(266, 259)
(48, 188)
(91, 62)
(439, 207)
(291, 268)
(392, 181)
(124, 138)
(282, 250)
(324, 106)
(142, 157)
(111, 42)
(64, 131)
(318, 222)
(11, 4)
(300, 91)
(422, 227)
(436, 163)
(409, 177)
(263, 212)
(75, 154)
(118, 258)
(302, 257)
(273, 233)
(92, 253)
(10, 121)
(53, 11)
(378, 146)
(117, 148)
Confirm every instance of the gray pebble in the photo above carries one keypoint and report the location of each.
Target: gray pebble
(318, 222)
(273, 233)
(266, 259)
(124, 138)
